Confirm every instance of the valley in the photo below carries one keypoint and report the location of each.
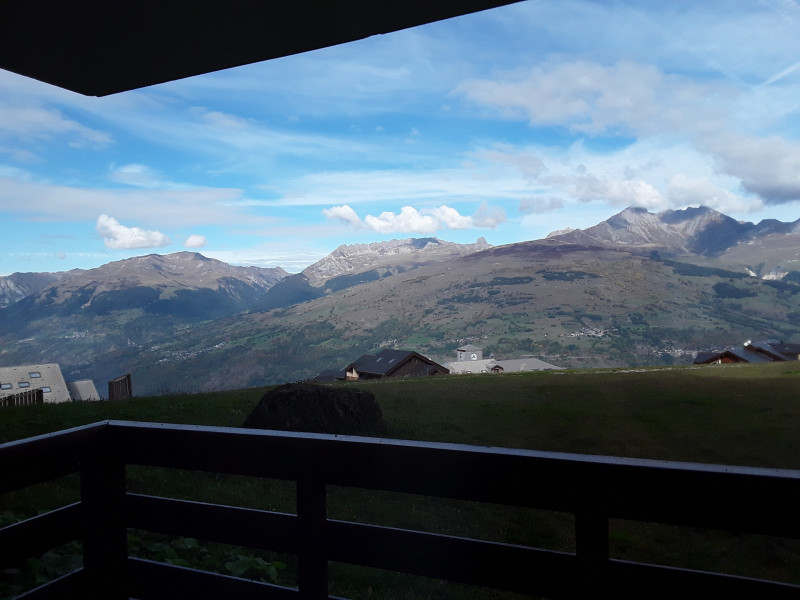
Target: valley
(626, 293)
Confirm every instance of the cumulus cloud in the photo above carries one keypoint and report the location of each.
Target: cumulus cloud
(450, 218)
(195, 241)
(343, 213)
(409, 219)
(425, 221)
(118, 236)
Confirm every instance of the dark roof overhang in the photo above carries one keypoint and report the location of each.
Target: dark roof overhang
(101, 47)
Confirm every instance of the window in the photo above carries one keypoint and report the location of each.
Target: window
(35, 375)
(5, 386)
(46, 389)
(24, 384)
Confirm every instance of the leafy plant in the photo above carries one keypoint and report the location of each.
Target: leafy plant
(218, 558)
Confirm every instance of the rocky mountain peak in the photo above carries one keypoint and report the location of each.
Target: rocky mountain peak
(187, 269)
(179, 270)
(698, 230)
(391, 255)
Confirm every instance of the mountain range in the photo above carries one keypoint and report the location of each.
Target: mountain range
(640, 288)
(694, 231)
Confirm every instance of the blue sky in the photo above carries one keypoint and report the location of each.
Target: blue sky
(506, 124)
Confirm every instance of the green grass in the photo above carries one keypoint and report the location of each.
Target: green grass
(737, 414)
(224, 409)
(727, 414)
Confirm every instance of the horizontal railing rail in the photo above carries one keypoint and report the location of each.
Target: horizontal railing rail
(594, 489)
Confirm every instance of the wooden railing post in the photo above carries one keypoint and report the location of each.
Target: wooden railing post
(105, 546)
(312, 571)
(591, 548)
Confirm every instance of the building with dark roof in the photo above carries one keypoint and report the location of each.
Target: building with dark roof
(386, 363)
(393, 363)
(751, 352)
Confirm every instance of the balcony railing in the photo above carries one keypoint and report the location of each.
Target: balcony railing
(23, 398)
(593, 489)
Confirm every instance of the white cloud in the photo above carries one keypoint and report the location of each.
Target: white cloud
(425, 221)
(143, 176)
(118, 236)
(685, 191)
(408, 220)
(195, 241)
(137, 175)
(654, 173)
(617, 192)
(222, 120)
(245, 143)
(529, 165)
(33, 122)
(344, 213)
(489, 216)
(449, 218)
(201, 206)
(785, 73)
(589, 97)
(400, 187)
(769, 166)
(718, 119)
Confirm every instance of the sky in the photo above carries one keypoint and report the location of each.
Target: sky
(506, 124)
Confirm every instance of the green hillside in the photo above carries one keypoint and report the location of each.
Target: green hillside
(568, 305)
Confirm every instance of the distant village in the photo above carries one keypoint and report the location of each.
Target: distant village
(405, 363)
(44, 383)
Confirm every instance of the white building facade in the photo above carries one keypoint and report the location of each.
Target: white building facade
(46, 377)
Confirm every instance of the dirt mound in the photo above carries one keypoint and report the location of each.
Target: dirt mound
(317, 409)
